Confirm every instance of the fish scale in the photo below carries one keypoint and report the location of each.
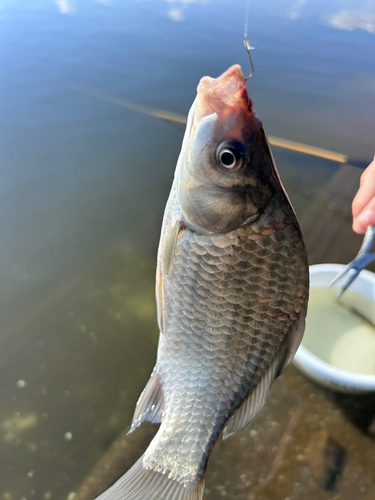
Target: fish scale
(235, 341)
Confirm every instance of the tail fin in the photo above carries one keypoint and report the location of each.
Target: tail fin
(142, 484)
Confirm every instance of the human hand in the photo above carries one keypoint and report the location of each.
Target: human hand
(363, 206)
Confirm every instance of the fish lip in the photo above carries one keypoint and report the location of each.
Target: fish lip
(226, 92)
(234, 72)
(216, 99)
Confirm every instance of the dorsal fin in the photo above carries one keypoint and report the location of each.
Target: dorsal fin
(253, 403)
(295, 338)
(256, 399)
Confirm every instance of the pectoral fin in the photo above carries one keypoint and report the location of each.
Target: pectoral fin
(169, 246)
(166, 257)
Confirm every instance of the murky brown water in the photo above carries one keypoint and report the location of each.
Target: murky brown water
(83, 185)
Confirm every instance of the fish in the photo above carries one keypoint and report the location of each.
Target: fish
(232, 285)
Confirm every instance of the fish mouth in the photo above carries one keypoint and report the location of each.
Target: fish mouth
(222, 95)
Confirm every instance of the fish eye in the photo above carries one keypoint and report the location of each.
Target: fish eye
(230, 155)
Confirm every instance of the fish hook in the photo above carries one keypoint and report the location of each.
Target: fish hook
(248, 48)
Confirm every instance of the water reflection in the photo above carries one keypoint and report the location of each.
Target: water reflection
(296, 9)
(176, 15)
(350, 20)
(66, 6)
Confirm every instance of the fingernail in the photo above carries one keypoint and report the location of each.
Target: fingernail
(366, 217)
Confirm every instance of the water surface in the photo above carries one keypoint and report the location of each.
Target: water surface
(83, 184)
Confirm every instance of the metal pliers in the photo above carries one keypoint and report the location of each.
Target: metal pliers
(364, 257)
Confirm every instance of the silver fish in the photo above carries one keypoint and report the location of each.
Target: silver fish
(231, 287)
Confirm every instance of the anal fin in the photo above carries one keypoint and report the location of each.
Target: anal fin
(150, 404)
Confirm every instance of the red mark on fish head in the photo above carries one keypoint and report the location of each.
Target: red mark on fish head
(245, 97)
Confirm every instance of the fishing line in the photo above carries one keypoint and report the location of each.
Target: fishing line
(246, 29)
(245, 40)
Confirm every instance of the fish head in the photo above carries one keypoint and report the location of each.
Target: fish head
(225, 173)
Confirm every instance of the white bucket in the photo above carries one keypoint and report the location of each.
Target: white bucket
(313, 366)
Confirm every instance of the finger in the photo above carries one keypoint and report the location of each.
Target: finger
(366, 192)
(367, 171)
(365, 218)
(358, 227)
